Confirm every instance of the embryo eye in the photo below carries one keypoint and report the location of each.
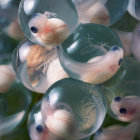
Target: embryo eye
(39, 128)
(123, 111)
(34, 29)
(120, 61)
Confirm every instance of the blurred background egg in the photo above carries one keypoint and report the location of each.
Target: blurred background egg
(9, 22)
(105, 12)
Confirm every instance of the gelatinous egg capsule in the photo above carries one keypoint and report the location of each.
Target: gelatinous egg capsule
(127, 108)
(70, 111)
(126, 39)
(8, 77)
(134, 8)
(37, 67)
(44, 22)
(135, 46)
(48, 31)
(98, 69)
(37, 128)
(87, 55)
(117, 132)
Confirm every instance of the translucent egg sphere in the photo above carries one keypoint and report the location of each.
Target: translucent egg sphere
(9, 22)
(92, 53)
(47, 22)
(121, 89)
(37, 67)
(134, 8)
(72, 109)
(105, 12)
(14, 105)
(135, 44)
(37, 128)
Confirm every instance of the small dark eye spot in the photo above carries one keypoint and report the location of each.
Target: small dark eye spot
(39, 128)
(34, 29)
(123, 111)
(114, 48)
(120, 61)
(57, 47)
(117, 99)
(35, 15)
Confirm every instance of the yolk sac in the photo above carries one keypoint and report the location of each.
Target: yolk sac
(86, 55)
(103, 12)
(37, 67)
(72, 109)
(54, 24)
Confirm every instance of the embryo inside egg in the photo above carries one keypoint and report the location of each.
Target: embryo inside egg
(58, 24)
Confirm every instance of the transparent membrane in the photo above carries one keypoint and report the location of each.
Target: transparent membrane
(57, 20)
(37, 67)
(92, 53)
(73, 109)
